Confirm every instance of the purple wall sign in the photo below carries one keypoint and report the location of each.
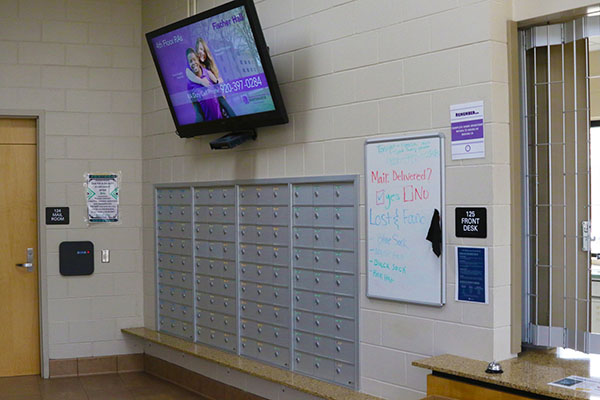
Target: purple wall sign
(466, 122)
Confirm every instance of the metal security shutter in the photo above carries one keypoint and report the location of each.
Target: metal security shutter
(554, 71)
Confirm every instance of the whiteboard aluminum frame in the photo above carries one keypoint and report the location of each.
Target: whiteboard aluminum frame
(442, 138)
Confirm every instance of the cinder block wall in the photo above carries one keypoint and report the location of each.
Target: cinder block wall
(351, 70)
(80, 62)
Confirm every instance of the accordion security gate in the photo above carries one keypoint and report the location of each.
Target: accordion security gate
(556, 178)
(267, 269)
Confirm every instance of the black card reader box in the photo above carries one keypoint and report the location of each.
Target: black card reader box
(76, 258)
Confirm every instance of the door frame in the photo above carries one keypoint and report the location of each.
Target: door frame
(39, 116)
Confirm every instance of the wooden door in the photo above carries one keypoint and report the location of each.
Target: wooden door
(19, 321)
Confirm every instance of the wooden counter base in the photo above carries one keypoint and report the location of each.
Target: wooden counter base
(460, 389)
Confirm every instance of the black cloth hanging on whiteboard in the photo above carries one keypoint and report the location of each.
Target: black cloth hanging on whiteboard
(434, 235)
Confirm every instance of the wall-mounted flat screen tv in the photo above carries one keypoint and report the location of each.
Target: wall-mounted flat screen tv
(216, 71)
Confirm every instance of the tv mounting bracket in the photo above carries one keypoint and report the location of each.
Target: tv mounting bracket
(233, 139)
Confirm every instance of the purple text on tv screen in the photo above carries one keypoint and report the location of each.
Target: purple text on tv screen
(212, 69)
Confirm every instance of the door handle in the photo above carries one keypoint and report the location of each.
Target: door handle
(29, 264)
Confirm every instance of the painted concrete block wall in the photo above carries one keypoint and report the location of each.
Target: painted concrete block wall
(351, 70)
(523, 10)
(80, 62)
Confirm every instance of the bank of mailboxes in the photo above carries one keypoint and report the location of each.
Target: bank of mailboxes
(267, 271)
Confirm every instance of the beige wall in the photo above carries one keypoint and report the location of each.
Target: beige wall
(527, 9)
(79, 62)
(350, 70)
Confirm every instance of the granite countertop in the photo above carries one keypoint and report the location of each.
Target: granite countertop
(290, 379)
(529, 372)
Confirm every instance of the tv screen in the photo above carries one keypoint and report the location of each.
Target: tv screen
(216, 71)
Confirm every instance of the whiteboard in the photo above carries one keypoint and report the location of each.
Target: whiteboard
(404, 179)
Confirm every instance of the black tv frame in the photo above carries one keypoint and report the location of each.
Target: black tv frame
(239, 123)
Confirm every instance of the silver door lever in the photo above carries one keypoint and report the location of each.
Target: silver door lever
(29, 264)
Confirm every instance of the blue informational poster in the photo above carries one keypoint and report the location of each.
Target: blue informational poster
(472, 274)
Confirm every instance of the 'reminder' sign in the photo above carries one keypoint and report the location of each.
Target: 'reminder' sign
(471, 222)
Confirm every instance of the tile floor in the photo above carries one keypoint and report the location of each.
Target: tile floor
(127, 386)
